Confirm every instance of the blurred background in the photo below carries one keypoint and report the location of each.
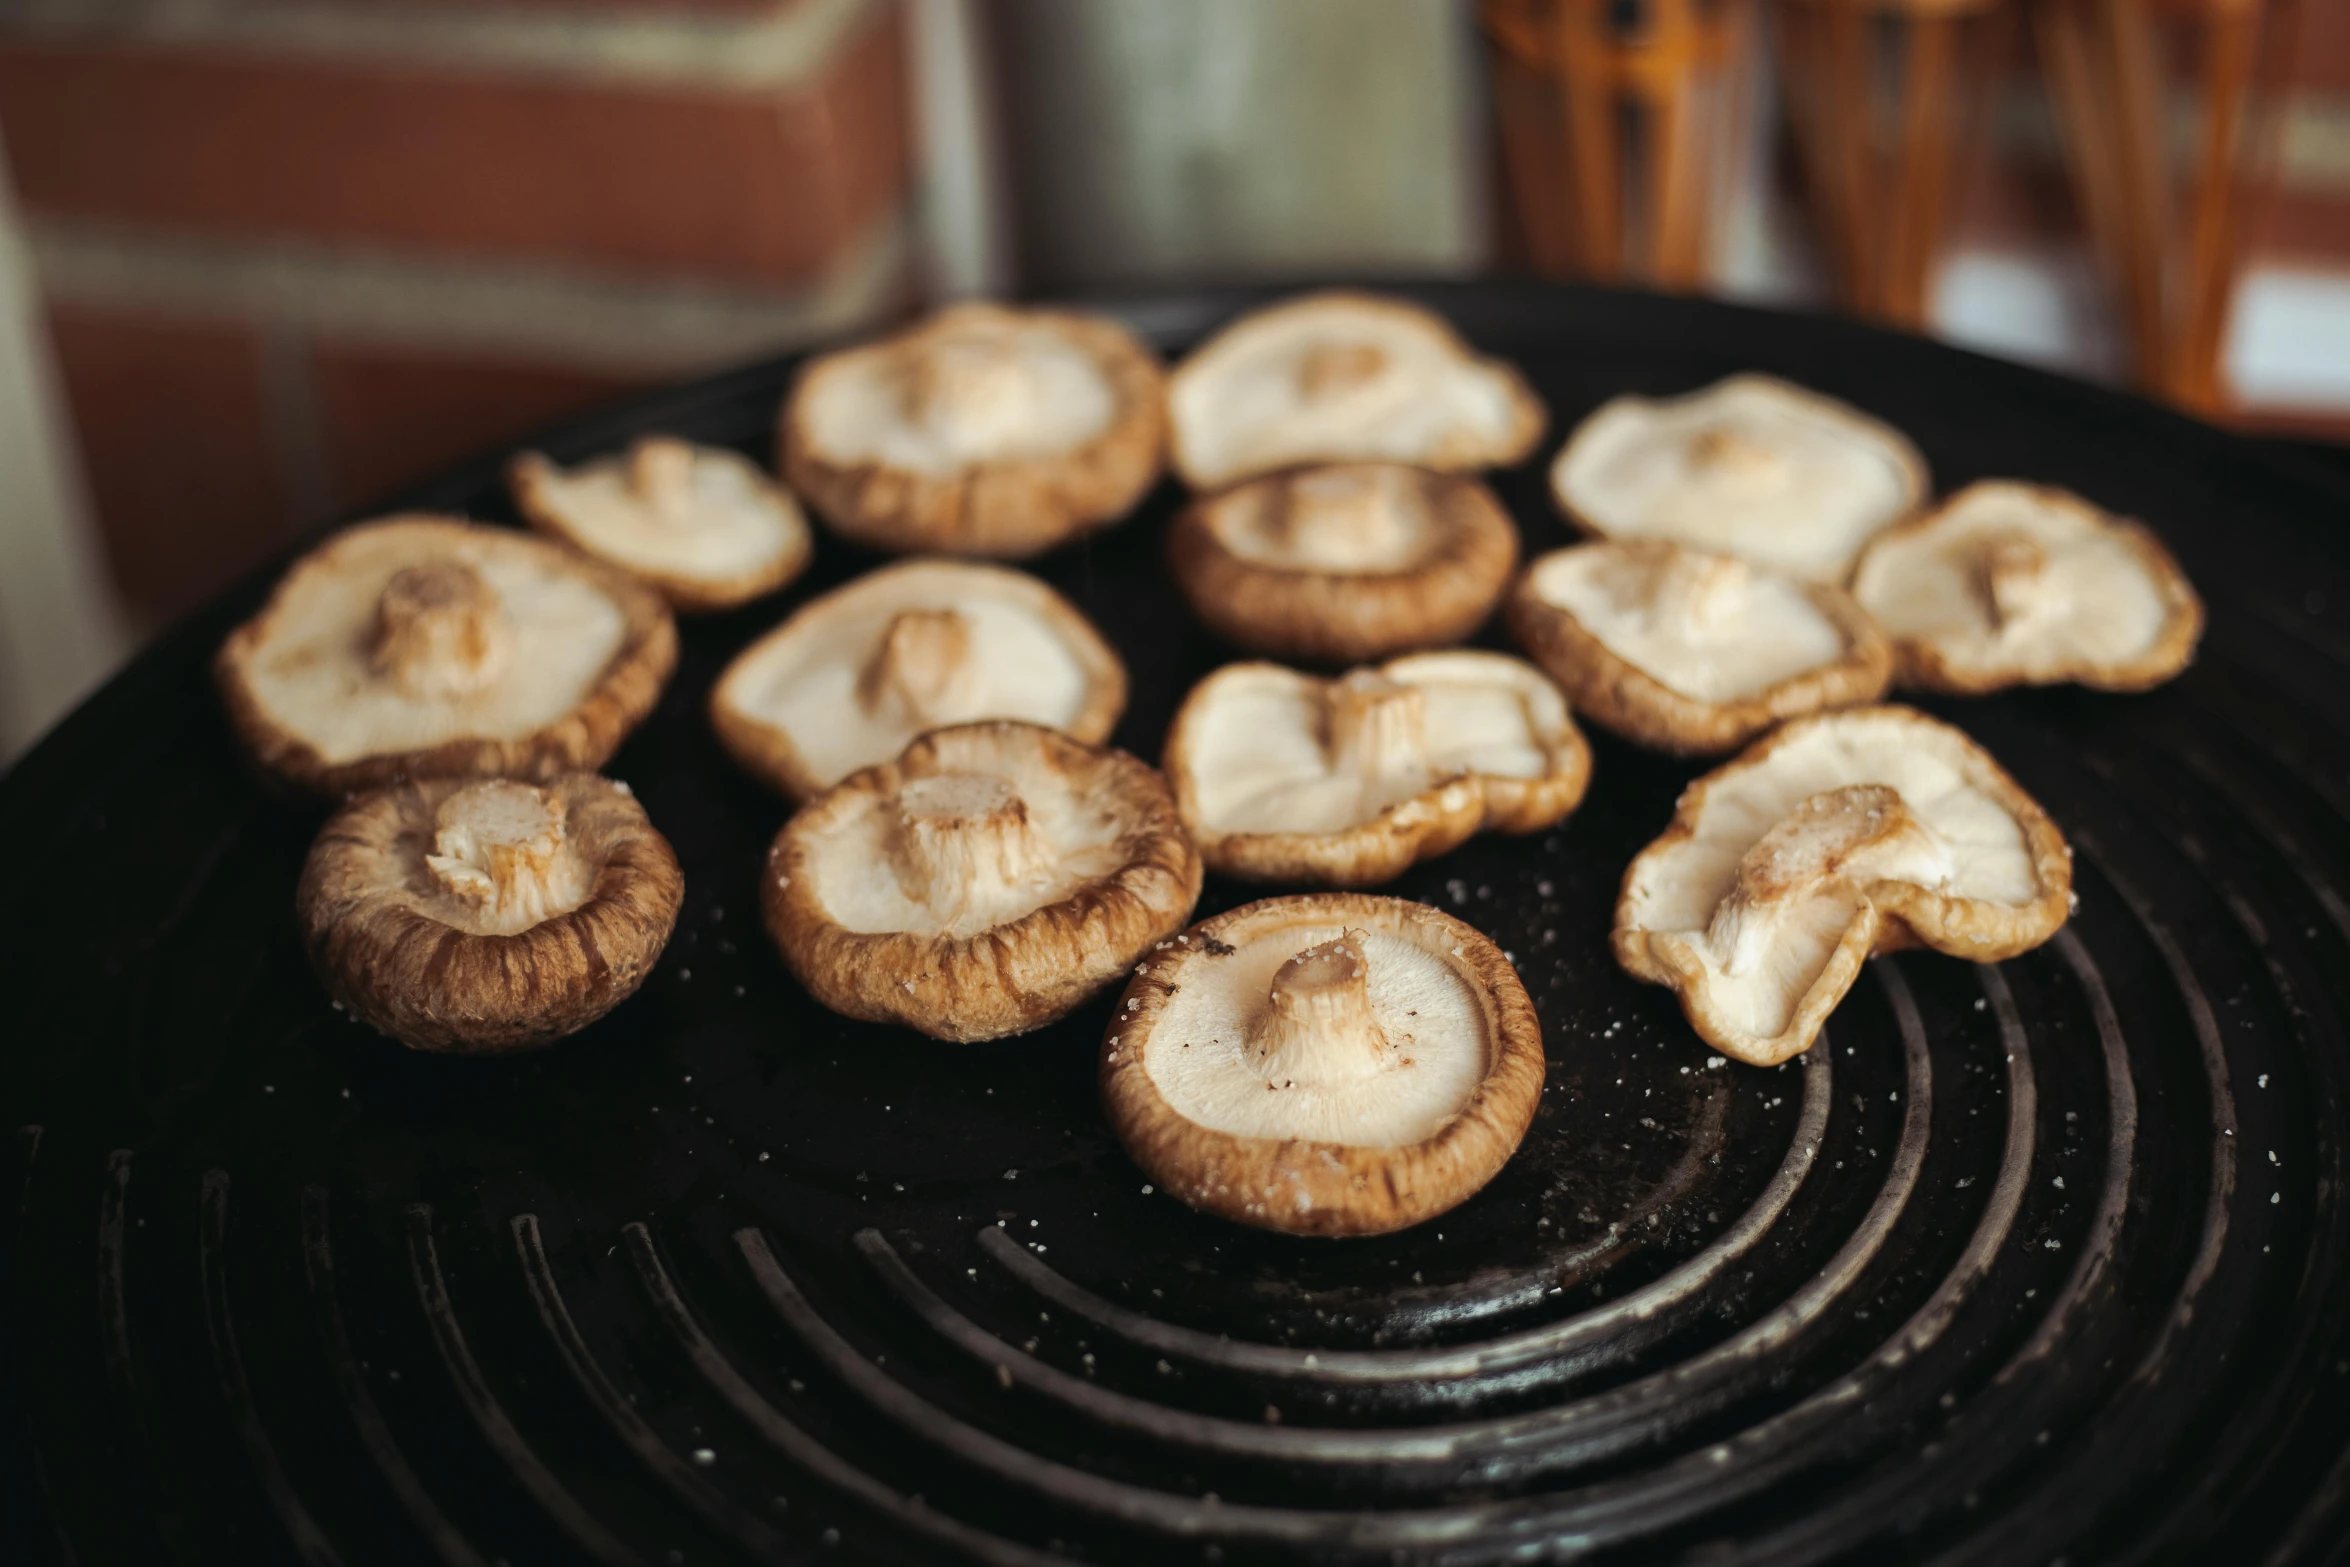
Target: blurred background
(262, 262)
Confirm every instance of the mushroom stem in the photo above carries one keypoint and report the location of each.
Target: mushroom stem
(1339, 517)
(971, 389)
(1333, 369)
(661, 475)
(1696, 594)
(964, 842)
(1318, 1026)
(438, 631)
(1723, 450)
(1836, 840)
(1377, 727)
(920, 668)
(499, 848)
(2016, 584)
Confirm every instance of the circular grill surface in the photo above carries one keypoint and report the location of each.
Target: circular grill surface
(2021, 1264)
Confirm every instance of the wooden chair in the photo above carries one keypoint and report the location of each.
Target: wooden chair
(1639, 95)
(1877, 91)
(2108, 74)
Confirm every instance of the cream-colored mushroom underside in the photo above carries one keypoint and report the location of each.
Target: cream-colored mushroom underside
(952, 400)
(1348, 518)
(868, 883)
(1438, 1046)
(1709, 640)
(1244, 405)
(2087, 597)
(1743, 469)
(728, 522)
(1974, 849)
(806, 684)
(313, 676)
(1261, 763)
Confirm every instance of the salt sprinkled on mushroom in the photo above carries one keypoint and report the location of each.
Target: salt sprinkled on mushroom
(703, 526)
(980, 431)
(1336, 377)
(852, 676)
(1693, 652)
(1750, 466)
(1836, 837)
(1346, 782)
(425, 647)
(2009, 584)
(1324, 1065)
(982, 884)
(1345, 563)
(491, 915)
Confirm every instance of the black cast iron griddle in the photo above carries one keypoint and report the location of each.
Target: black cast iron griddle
(2036, 1263)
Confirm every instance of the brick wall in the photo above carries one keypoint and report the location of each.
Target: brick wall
(295, 253)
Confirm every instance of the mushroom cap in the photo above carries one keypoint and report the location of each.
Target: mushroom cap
(1691, 652)
(1335, 377)
(1837, 836)
(1282, 776)
(850, 677)
(1345, 563)
(979, 431)
(701, 525)
(2008, 584)
(487, 914)
(1750, 466)
(428, 647)
(983, 884)
(1328, 1064)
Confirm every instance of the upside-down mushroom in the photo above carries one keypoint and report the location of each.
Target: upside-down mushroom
(1346, 783)
(982, 884)
(1334, 1064)
(487, 914)
(1345, 563)
(981, 430)
(429, 647)
(1339, 377)
(702, 525)
(852, 676)
(2008, 584)
(1749, 466)
(1691, 652)
(1836, 837)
